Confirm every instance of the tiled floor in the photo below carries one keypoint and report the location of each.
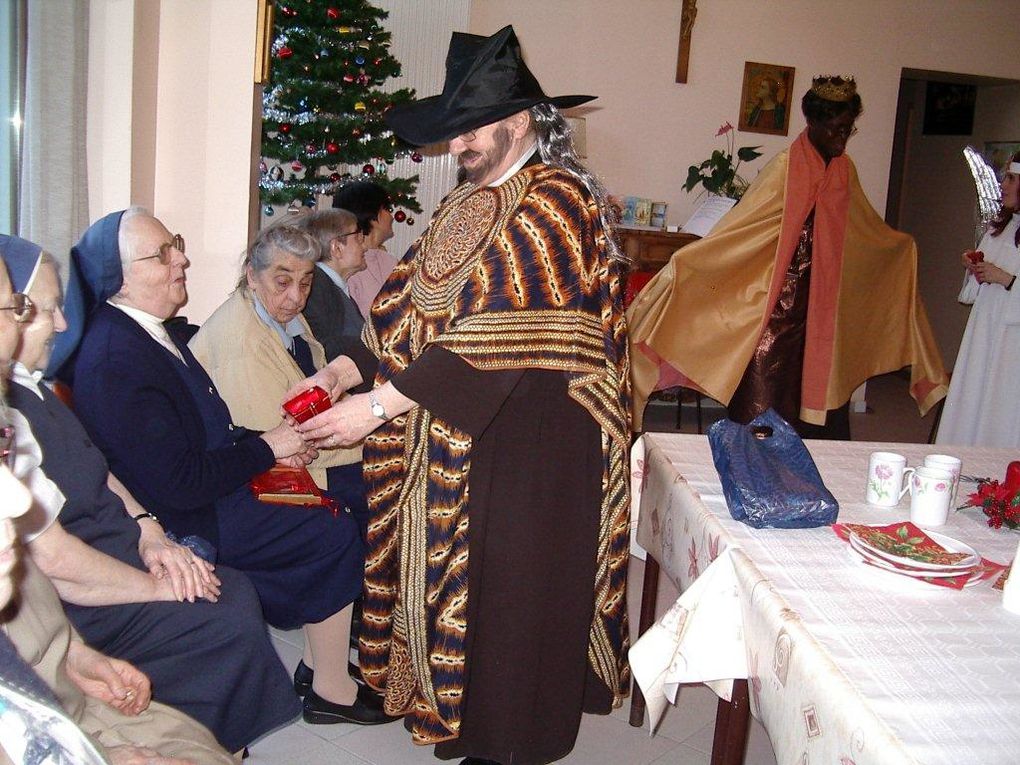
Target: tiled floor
(685, 735)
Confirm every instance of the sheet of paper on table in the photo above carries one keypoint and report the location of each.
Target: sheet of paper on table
(709, 212)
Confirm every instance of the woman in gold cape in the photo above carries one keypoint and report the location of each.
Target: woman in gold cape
(698, 322)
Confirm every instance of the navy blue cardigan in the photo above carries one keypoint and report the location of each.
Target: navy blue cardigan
(140, 413)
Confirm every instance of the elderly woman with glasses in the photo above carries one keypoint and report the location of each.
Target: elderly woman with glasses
(156, 414)
(128, 589)
(330, 309)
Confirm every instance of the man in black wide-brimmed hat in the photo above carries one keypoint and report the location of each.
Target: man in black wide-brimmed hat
(494, 610)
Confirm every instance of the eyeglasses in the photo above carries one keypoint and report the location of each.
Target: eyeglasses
(166, 250)
(467, 137)
(7, 446)
(846, 133)
(22, 306)
(342, 237)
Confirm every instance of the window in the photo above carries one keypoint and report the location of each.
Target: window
(10, 111)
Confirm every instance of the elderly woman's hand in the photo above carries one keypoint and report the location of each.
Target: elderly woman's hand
(285, 441)
(189, 576)
(112, 681)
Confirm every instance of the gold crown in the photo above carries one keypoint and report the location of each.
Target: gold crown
(834, 87)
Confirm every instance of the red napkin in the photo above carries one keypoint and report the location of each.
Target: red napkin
(907, 540)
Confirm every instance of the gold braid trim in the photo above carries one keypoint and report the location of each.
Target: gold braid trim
(414, 549)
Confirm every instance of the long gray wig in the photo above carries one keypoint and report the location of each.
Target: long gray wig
(557, 149)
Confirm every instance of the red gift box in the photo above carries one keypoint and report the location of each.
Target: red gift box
(306, 405)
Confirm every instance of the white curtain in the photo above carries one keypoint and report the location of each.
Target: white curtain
(53, 189)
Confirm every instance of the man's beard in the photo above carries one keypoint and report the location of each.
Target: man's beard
(501, 141)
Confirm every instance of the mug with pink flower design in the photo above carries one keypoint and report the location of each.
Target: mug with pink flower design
(886, 471)
(931, 492)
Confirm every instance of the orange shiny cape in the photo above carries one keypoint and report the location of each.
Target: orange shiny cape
(699, 320)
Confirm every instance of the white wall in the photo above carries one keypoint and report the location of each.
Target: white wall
(645, 129)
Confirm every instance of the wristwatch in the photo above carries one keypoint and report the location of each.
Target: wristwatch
(377, 409)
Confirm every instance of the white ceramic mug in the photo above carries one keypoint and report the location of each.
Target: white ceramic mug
(945, 462)
(886, 471)
(931, 491)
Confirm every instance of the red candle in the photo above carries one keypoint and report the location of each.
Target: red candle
(1013, 476)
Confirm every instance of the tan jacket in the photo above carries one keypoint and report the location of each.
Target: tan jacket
(253, 371)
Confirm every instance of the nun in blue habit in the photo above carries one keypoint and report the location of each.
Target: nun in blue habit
(154, 412)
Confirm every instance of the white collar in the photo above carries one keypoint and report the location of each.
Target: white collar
(516, 166)
(334, 276)
(30, 380)
(153, 326)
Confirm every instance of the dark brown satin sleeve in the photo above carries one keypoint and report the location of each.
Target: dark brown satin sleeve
(365, 361)
(450, 388)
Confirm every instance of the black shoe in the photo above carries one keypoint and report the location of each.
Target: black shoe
(318, 711)
(303, 678)
(477, 761)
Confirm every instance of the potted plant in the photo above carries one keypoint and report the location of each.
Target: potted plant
(718, 173)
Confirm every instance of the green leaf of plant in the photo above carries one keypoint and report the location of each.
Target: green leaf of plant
(747, 153)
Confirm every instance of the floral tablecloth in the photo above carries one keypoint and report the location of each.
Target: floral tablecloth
(845, 664)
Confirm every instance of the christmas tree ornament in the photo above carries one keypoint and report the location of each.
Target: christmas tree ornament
(293, 207)
(345, 30)
(296, 166)
(416, 156)
(363, 79)
(399, 216)
(360, 106)
(284, 127)
(288, 11)
(348, 78)
(333, 13)
(276, 173)
(262, 167)
(359, 60)
(410, 221)
(335, 178)
(269, 211)
(284, 52)
(311, 148)
(332, 148)
(368, 170)
(323, 53)
(355, 132)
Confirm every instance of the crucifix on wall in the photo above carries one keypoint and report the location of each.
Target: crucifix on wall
(688, 13)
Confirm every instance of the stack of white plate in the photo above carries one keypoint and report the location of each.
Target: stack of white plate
(885, 560)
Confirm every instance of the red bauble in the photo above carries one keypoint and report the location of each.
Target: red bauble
(348, 78)
(287, 11)
(399, 216)
(296, 166)
(368, 170)
(363, 79)
(332, 148)
(333, 13)
(311, 148)
(416, 157)
(410, 221)
(285, 127)
(284, 52)
(335, 178)
(377, 61)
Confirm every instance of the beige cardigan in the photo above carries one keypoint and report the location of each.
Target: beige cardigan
(252, 371)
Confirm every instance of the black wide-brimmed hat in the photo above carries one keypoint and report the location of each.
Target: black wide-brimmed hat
(486, 80)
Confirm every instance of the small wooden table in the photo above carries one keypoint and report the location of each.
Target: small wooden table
(650, 250)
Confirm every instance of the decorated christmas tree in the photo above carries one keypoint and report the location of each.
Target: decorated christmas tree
(322, 110)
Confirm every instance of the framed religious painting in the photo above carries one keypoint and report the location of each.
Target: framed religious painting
(765, 98)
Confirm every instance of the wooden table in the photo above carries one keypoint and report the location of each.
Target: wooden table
(842, 663)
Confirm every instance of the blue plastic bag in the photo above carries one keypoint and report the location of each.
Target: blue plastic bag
(768, 476)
